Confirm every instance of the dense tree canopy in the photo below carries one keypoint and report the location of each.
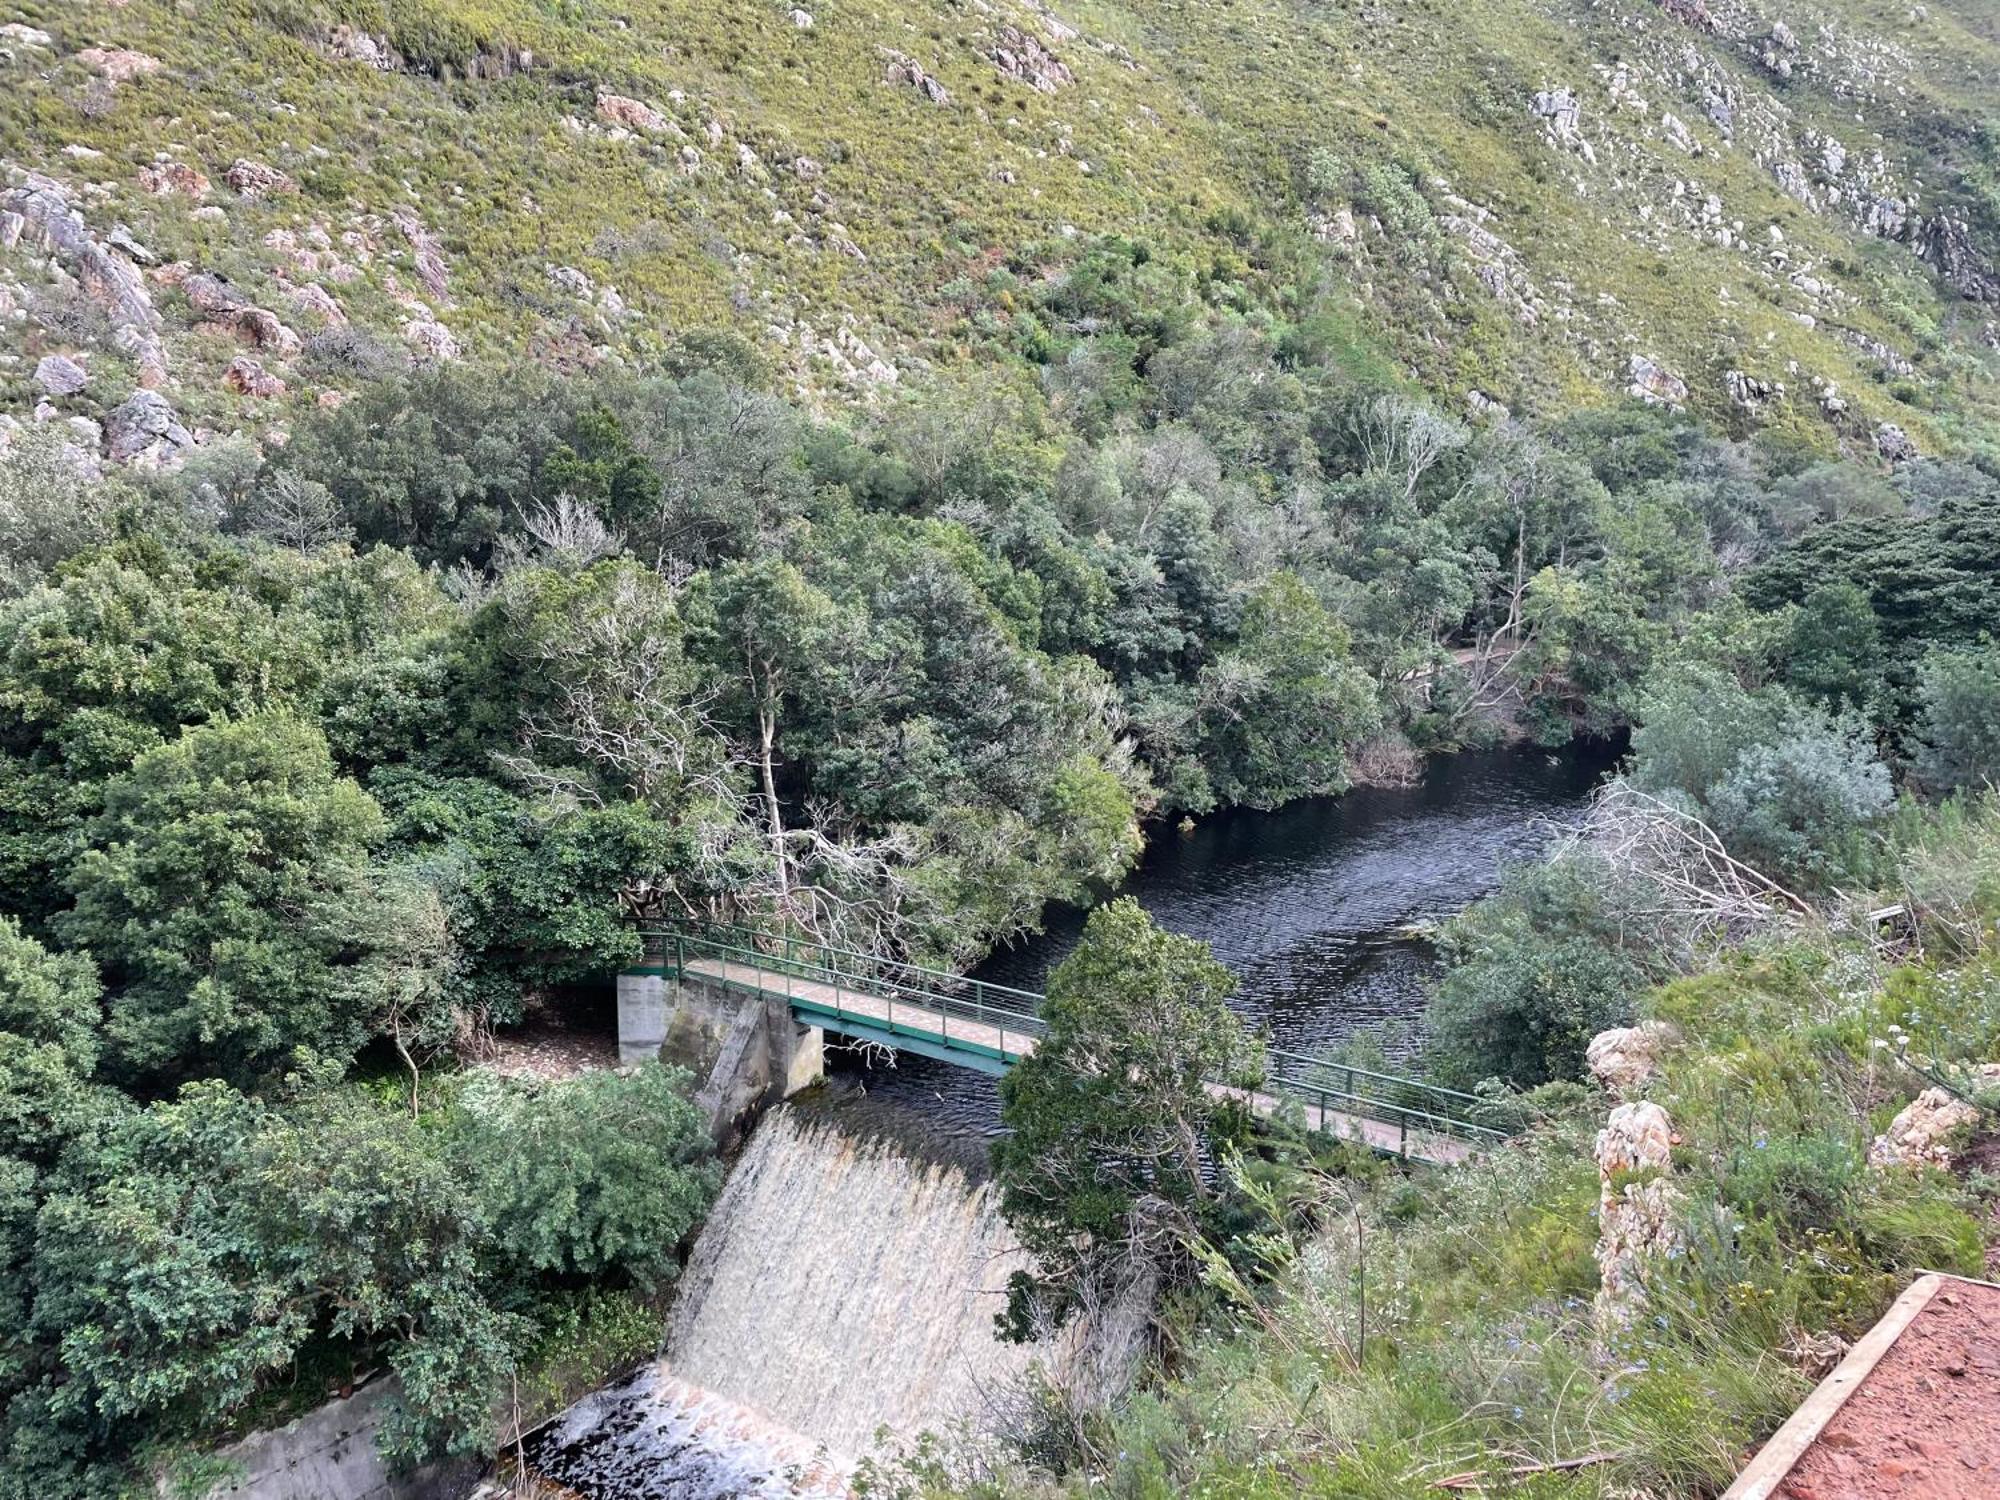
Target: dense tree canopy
(322, 767)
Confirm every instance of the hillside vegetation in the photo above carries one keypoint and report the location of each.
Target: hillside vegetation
(1783, 217)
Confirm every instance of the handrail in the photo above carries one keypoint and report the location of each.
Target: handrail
(752, 936)
(1384, 1098)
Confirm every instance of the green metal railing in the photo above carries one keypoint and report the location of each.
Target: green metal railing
(1407, 1104)
(862, 991)
(859, 995)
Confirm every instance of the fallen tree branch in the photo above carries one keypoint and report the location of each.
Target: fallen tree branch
(1473, 1479)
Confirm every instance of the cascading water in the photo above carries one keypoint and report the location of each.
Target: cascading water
(840, 1291)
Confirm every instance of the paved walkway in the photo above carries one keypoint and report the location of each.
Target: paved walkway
(950, 1029)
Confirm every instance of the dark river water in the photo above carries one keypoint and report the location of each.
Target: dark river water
(1312, 906)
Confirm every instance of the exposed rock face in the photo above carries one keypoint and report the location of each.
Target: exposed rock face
(907, 71)
(316, 299)
(256, 179)
(1947, 244)
(432, 342)
(1922, 1133)
(1689, 13)
(429, 253)
(1651, 381)
(38, 213)
(220, 306)
(248, 377)
(633, 114)
(14, 34)
(59, 375)
(1022, 56)
(362, 47)
(165, 178)
(1562, 113)
(1894, 444)
(143, 430)
(1626, 1057)
(1638, 1220)
(117, 65)
(1749, 391)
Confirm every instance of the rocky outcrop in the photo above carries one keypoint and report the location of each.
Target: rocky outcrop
(16, 34)
(116, 65)
(1625, 1058)
(317, 300)
(633, 114)
(59, 375)
(1690, 13)
(363, 47)
(39, 214)
(1894, 444)
(1947, 244)
(144, 431)
(166, 177)
(1653, 382)
(248, 377)
(906, 71)
(1021, 56)
(1639, 1208)
(430, 340)
(1926, 1129)
(256, 179)
(221, 307)
(1562, 115)
(431, 269)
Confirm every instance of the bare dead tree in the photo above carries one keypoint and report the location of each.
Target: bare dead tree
(1407, 438)
(566, 535)
(1686, 884)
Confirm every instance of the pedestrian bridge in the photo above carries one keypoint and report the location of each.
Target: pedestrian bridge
(990, 1027)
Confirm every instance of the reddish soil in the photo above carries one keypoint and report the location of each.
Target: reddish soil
(1925, 1424)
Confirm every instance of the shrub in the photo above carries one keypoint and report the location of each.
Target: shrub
(1533, 973)
(1958, 727)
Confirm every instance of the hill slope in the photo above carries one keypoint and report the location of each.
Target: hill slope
(1782, 217)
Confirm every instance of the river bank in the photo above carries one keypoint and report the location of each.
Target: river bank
(1321, 908)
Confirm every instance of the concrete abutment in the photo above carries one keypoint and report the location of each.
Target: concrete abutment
(745, 1051)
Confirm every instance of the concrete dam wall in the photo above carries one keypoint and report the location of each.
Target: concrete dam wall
(841, 1298)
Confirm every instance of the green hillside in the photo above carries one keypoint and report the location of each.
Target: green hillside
(1536, 200)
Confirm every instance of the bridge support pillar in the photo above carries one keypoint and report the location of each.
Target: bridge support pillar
(643, 1004)
(797, 1052)
(746, 1052)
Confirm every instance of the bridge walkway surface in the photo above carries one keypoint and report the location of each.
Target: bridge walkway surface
(962, 1021)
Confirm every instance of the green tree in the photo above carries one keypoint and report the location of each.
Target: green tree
(1834, 653)
(769, 629)
(602, 1173)
(1113, 1116)
(1531, 974)
(215, 889)
(1282, 708)
(1958, 728)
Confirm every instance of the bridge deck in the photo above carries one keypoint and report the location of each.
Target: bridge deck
(828, 1004)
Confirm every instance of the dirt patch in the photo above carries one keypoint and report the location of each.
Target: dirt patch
(1925, 1424)
(548, 1048)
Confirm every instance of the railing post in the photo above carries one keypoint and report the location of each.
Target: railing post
(1403, 1137)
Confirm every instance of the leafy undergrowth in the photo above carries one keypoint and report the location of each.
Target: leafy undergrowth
(1446, 1323)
